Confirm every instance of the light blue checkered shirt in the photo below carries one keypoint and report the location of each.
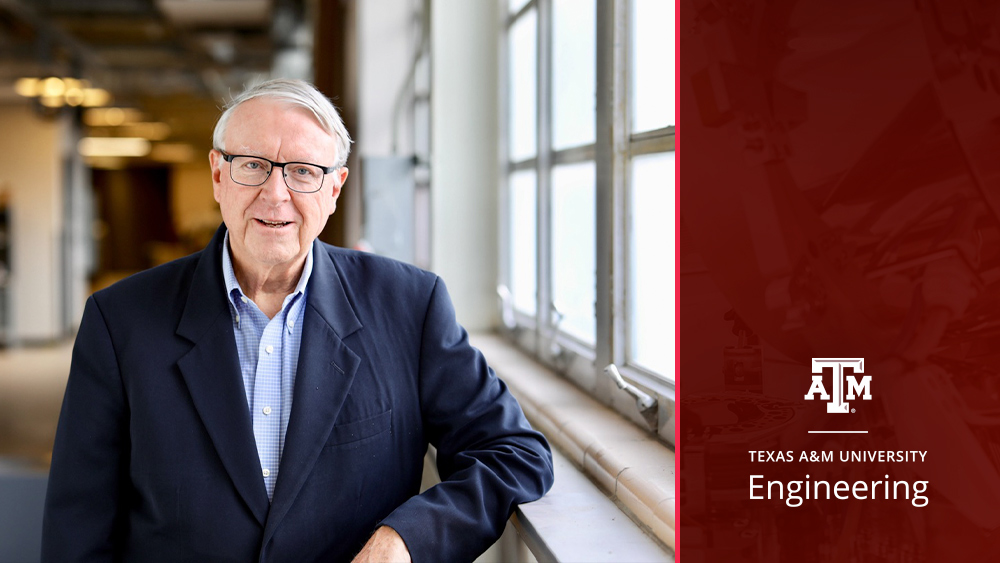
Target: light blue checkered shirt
(269, 357)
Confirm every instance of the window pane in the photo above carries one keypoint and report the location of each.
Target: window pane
(523, 240)
(573, 248)
(651, 263)
(515, 5)
(652, 64)
(573, 69)
(523, 86)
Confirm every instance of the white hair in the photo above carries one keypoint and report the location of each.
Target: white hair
(297, 93)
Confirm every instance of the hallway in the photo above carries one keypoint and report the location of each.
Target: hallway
(32, 381)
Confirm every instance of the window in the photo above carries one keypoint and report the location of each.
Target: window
(651, 273)
(523, 240)
(573, 249)
(651, 189)
(589, 221)
(573, 72)
(524, 92)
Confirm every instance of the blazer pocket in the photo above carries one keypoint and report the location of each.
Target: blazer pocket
(353, 432)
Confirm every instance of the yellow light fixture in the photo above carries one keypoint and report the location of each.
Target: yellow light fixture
(54, 91)
(96, 97)
(112, 117)
(113, 146)
(27, 87)
(52, 87)
(152, 130)
(74, 96)
(30, 87)
(52, 101)
(173, 152)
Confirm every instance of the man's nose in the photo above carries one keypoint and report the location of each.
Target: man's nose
(274, 190)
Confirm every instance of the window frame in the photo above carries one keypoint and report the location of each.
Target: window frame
(612, 155)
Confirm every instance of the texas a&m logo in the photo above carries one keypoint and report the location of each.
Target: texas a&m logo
(854, 388)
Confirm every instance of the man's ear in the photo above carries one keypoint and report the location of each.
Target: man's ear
(215, 161)
(339, 176)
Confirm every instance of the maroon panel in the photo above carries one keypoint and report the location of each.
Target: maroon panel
(839, 199)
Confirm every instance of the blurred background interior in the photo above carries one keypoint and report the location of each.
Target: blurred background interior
(476, 156)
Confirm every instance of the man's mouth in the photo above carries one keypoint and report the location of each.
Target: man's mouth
(273, 224)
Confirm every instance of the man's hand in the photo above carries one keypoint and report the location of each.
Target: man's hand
(385, 546)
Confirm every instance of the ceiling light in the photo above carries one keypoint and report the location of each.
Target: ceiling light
(26, 87)
(74, 83)
(112, 117)
(113, 146)
(152, 130)
(52, 87)
(54, 92)
(74, 96)
(95, 97)
(173, 152)
(52, 101)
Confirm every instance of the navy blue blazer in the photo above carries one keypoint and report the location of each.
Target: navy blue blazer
(155, 458)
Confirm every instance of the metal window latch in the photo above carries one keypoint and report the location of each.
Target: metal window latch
(556, 351)
(507, 315)
(646, 404)
(560, 356)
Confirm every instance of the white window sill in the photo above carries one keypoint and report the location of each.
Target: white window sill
(577, 521)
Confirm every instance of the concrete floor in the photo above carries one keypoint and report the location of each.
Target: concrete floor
(32, 381)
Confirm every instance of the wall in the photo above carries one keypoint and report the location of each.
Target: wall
(464, 208)
(385, 49)
(135, 208)
(31, 171)
(196, 213)
(463, 171)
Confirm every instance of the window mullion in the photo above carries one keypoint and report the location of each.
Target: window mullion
(545, 334)
(573, 155)
(505, 249)
(651, 145)
(512, 17)
(610, 151)
(620, 139)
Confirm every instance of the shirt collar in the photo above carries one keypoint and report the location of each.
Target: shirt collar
(233, 285)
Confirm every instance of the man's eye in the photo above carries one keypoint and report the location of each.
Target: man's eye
(302, 171)
(252, 165)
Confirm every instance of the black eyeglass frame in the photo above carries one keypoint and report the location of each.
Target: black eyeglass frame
(229, 158)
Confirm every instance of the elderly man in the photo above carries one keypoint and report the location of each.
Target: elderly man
(271, 397)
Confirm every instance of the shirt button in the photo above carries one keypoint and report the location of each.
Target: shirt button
(269, 349)
(267, 472)
(267, 410)
(244, 299)
(237, 317)
(291, 323)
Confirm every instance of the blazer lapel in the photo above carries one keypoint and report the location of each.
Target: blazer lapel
(211, 371)
(323, 378)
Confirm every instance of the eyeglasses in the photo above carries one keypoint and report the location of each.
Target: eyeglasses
(254, 170)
